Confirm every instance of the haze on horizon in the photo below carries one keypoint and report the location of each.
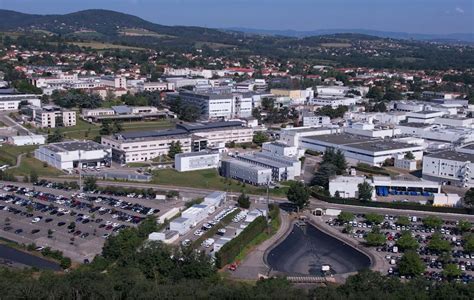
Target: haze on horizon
(412, 16)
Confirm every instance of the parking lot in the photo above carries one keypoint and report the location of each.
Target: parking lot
(76, 224)
(392, 231)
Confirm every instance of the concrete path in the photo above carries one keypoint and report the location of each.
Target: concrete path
(254, 263)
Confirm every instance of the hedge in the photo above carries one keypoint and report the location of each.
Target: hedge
(370, 169)
(230, 250)
(393, 205)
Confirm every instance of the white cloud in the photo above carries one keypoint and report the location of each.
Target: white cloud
(459, 10)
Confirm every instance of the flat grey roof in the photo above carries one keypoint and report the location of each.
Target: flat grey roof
(192, 127)
(426, 112)
(416, 125)
(74, 146)
(453, 155)
(360, 142)
(132, 135)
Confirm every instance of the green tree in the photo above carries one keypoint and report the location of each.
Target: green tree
(375, 238)
(411, 264)
(365, 191)
(105, 128)
(147, 226)
(432, 222)
(409, 155)
(26, 179)
(451, 271)
(244, 201)
(345, 217)
(298, 194)
(90, 183)
(175, 148)
(403, 221)
(468, 239)
(407, 242)
(324, 173)
(469, 197)
(438, 244)
(464, 226)
(375, 93)
(373, 218)
(56, 137)
(340, 162)
(259, 138)
(33, 176)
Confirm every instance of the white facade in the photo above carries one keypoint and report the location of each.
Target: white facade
(181, 225)
(193, 161)
(246, 172)
(438, 132)
(316, 121)
(12, 102)
(276, 148)
(358, 149)
(426, 116)
(115, 82)
(346, 186)
(369, 130)
(449, 167)
(23, 140)
(449, 200)
(293, 136)
(334, 102)
(69, 155)
(402, 163)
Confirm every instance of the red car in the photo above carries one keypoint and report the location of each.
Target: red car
(233, 267)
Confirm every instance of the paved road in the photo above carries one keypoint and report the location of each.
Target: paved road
(9, 122)
(254, 263)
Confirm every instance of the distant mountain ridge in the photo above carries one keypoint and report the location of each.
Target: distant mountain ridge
(464, 37)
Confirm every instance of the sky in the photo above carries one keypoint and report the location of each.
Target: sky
(413, 16)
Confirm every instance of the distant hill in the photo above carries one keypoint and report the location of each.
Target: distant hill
(111, 26)
(461, 37)
(332, 47)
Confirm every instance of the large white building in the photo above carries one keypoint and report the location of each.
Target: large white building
(219, 105)
(360, 149)
(12, 101)
(245, 172)
(312, 120)
(50, 116)
(293, 136)
(23, 140)
(437, 132)
(193, 161)
(347, 186)
(449, 167)
(334, 102)
(281, 149)
(370, 130)
(73, 154)
(139, 146)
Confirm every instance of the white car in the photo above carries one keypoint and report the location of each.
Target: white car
(198, 232)
(36, 220)
(186, 243)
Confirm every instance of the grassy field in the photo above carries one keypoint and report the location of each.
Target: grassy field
(2, 124)
(208, 179)
(9, 153)
(143, 32)
(28, 164)
(104, 46)
(85, 130)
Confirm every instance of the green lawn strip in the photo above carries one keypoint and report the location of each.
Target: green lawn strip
(9, 153)
(209, 179)
(275, 224)
(29, 164)
(211, 232)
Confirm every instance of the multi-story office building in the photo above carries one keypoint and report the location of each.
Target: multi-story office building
(193, 161)
(312, 120)
(73, 154)
(115, 82)
(283, 168)
(51, 116)
(12, 101)
(245, 172)
(449, 167)
(219, 105)
(145, 145)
